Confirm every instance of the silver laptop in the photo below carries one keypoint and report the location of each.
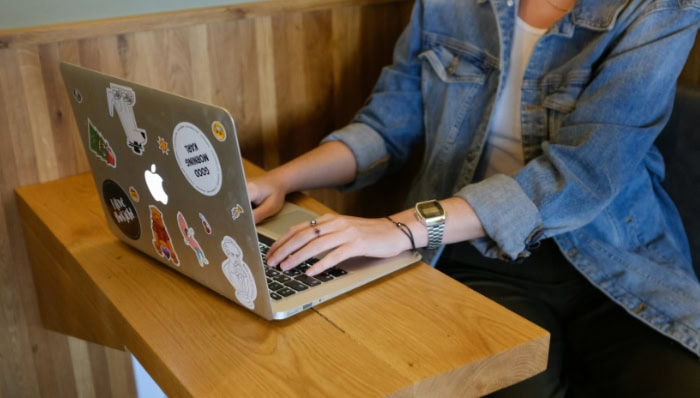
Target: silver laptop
(170, 175)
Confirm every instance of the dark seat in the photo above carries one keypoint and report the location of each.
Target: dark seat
(679, 142)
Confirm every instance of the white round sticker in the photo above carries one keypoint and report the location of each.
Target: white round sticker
(197, 159)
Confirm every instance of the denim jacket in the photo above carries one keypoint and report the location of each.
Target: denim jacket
(598, 90)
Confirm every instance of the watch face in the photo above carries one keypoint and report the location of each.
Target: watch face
(430, 209)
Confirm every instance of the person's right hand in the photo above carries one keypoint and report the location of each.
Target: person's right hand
(266, 196)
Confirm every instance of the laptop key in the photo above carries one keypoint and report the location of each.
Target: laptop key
(275, 296)
(308, 280)
(274, 286)
(296, 285)
(281, 278)
(336, 272)
(285, 291)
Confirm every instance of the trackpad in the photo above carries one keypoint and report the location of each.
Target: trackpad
(290, 215)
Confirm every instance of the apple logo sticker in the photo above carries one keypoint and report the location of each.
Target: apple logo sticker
(197, 159)
(154, 182)
(121, 209)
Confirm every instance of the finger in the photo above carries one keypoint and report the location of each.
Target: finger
(293, 240)
(313, 249)
(330, 260)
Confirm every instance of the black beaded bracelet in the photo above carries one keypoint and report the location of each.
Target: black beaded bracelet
(406, 231)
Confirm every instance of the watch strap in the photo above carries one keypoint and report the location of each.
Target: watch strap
(435, 233)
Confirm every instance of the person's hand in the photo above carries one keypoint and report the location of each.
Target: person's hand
(266, 196)
(340, 238)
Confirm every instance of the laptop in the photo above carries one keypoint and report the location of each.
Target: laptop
(170, 175)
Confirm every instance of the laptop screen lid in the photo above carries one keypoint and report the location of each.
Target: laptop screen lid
(170, 175)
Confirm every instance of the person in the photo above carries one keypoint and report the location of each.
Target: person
(539, 184)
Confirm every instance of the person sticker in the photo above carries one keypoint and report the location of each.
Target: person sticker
(238, 273)
(121, 209)
(161, 237)
(197, 159)
(188, 235)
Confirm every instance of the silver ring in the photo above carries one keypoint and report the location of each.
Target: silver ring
(313, 223)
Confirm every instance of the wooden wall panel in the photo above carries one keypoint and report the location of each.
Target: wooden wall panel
(288, 71)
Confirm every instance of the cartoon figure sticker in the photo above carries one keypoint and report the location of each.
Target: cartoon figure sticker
(163, 146)
(205, 224)
(121, 209)
(197, 159)
(122, 99)
(219, 131)
(238, 273)
(100, 146)
(188, 236)
(236, 212)
(161, 237)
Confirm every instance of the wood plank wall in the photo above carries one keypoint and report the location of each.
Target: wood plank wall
(289, 72)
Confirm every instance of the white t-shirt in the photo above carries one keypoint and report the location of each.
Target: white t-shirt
(504, 150)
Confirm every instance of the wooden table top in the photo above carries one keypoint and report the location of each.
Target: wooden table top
(414, 333)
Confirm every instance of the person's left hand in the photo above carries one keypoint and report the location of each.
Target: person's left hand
(340, 238)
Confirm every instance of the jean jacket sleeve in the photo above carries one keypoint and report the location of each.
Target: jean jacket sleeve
(604, 142)
(384, 131)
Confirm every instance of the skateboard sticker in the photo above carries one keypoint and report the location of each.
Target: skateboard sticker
(238, 273)
(205, 224)
(197, 159)
(219, 131)
(163, 146)
(190, 240)
(236, 212)
(100, 146)
(134, 194)
(161, 237)
(122, 99)
(121, 209)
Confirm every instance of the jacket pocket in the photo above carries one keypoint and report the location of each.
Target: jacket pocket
(561, 93)
(453, 77)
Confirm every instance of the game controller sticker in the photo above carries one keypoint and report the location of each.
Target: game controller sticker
(121, 209)
(205, 224)
(219, 131)
(100, 146)
(236, 212)
(163, 146)
(190, 240)
(161, 237)
(122, 99)
(134, 194)
(238, 273)
(197, 159)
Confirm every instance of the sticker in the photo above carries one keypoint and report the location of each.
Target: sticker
(238, 273)
(121, 209)
(77, 96)
(236, 212)
(134, 194)
(205, 224)
(219, 131)
(163, 146)
(161, 237)
(122, 99)
(154, 183)
(197, 159)
(100, 146)
(188, 236)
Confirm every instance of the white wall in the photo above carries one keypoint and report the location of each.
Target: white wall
(24, 13)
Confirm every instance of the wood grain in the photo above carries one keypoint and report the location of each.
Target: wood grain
(273, 64)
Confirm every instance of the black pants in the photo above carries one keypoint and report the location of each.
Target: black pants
(597, 349)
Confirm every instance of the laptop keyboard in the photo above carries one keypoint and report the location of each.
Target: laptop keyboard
(286, 283)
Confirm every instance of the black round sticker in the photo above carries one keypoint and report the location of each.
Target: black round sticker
(121, 209)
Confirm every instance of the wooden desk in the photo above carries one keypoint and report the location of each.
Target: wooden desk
(382, 340)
